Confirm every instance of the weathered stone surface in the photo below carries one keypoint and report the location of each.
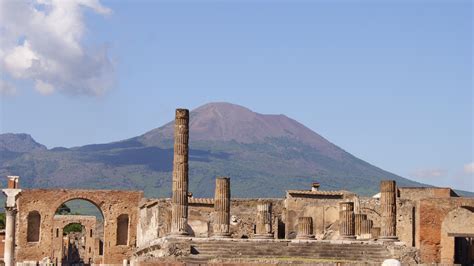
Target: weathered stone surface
(179, 199)
(388, 200)
(346, 220)
(305, 228)
(221, 226)
(111, 203)
(90, 238)
(263, 228)
(436, 214)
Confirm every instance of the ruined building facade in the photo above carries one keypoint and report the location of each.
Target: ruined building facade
(423, 225)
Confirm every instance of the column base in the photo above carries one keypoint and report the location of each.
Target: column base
(388, 238)
(305, 237)
(263, 236)
(178, 234)
(221, 235)
(347, 237)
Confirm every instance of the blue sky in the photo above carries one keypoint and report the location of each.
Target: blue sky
(388, 81)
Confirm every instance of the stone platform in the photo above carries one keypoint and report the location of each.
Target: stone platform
(263, 251)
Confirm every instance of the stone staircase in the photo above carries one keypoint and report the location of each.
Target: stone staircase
(285, 251)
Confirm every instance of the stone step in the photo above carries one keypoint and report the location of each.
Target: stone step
(298, 253)
(309, 249)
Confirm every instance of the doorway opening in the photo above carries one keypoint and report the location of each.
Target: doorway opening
(78, 233)
(464, 250)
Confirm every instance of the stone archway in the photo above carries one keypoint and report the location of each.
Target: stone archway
(458, 222)
(111, 203)
(89, 242)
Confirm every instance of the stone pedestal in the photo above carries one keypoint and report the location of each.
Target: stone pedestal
(346, 221)
(179, 199)
(222, 208)
(305, 228)
(388, 209)
(264, 220)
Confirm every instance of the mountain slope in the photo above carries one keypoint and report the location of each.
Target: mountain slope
(263, 154)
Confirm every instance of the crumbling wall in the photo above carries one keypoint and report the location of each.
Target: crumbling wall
(432, 213)
(323, 209)
(46, 201)
(155, 218)
(90, 236)
(418, 193)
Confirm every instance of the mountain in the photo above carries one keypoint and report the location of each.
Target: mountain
(263, 154)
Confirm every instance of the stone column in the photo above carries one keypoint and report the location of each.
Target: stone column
(388, 209)
(365, 228)
(346, 220)
(222, 208)
(358, 222)
(179, 200)
(9, 252)
(11, 193)
(264, 220)
(305, 228)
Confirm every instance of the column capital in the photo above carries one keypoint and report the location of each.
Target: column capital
(12, 195)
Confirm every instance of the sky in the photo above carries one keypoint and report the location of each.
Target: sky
(389, 81)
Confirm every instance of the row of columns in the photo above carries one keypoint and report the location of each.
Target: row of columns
(350, 224)
(179, 198)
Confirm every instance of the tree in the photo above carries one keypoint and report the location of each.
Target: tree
(2, 220)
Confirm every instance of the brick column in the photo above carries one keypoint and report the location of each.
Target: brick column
(179, 200)
(305, 228)
(222, 208)
(388, 209)
(264, 221)
(346, 220)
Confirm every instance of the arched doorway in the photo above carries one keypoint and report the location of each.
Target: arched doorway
(78, 233)
(115, 207)
(457, 237)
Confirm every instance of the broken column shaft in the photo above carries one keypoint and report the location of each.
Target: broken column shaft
(388, 209)
(346, 220)
(222, 208)
(365, 228)
(358, 222)
(264, 220)
(179, 200)
(305, 228)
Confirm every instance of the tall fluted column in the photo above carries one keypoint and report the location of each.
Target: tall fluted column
(222, 207)
(346, 220)
(358, 222)
(305, 228)
(388, 208)
(264, 220)
(179, 200)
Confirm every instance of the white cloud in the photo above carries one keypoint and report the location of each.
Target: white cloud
(42, 40)
(469, 168)
(6, 89)
(43, 87)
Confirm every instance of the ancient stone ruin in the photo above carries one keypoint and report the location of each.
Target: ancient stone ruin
(410, 224)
